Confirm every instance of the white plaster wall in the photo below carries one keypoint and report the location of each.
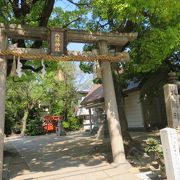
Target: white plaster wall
(133, 110)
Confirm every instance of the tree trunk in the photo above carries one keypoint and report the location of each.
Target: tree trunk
(121, 111)
(24, 121)
(129, 143)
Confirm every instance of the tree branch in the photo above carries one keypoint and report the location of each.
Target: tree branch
(43, 20)
(34, 1)
(65, 26)
(23, 10)
(110, 18)
(48, 7)
(20, 11)
(27, 67)
(172, 61)
(102, 25)
(78, 4)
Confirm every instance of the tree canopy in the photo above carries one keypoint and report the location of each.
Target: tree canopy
(27, 96)
(157, 24)
(156, 50)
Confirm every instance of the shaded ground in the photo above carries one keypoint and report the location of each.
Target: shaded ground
(75, 156)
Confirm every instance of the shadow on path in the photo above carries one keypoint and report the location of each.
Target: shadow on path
(24, 155)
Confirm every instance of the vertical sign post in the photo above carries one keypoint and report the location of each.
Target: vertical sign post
(172, 105)
(171, 153)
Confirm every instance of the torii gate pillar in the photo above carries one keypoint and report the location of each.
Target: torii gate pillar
(111, 108)
(3, 69)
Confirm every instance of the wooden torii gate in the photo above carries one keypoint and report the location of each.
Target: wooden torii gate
(101, 39)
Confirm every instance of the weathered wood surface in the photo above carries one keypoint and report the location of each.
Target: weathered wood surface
(93, 37)
(25, 32)
(41, 33)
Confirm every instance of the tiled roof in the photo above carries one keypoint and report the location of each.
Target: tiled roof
(132, 86)
(96, 93)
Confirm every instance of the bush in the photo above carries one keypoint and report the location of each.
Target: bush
(17, 128)
(35, 127)
(66, 125)
(154, 146)
(154, 149)
(9, 122)
(72, 124)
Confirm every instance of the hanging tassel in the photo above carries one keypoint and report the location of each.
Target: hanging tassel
(43, 71)
(13, 69)
(19, 68)
(98, 70)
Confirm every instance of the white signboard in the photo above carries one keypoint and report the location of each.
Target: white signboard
(171, 153)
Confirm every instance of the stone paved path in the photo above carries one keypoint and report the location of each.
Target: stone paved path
(73, 157)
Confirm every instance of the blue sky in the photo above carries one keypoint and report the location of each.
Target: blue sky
(69, 7)
(83, 81)
(65, 5)
(75, 46)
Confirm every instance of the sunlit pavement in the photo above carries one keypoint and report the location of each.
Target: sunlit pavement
(51, 157)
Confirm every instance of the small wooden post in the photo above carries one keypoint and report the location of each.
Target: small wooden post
(172, 105)
(3, 69)
(90, 119)
(111, 108)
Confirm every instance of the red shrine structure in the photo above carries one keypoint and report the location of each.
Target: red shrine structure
(50, 123)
